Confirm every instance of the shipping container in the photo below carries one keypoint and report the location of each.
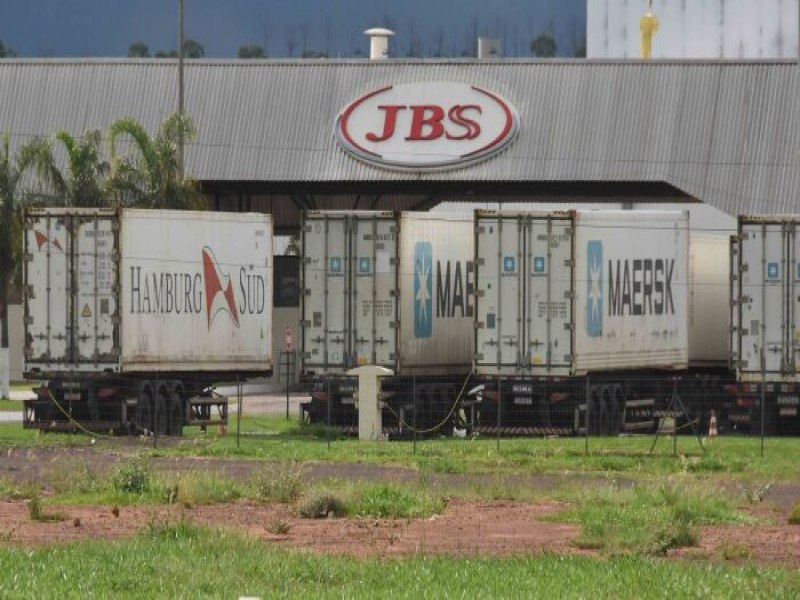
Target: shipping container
(765, 314)
(570, 293)
(388, 289)
(170, 295)
(709, 290)
(393, 290)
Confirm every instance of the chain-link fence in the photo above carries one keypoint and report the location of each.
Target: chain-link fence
(413, 407)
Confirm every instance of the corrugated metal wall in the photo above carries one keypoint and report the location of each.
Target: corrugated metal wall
(726, 133)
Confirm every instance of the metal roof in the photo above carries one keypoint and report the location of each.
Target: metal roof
(724, 132)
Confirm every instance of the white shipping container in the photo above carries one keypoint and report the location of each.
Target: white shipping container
(567, 293)
(766, 298)
(146, 290)
(389, 289)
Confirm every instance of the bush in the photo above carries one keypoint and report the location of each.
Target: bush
(794, 517)
(279, 483)
(320, 505)
(132, 478)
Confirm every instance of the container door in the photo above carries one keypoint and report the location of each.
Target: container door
(548, 308)
(763, 299)
(96, 311)
(326, 259)
(374, 283)
(499, 249)
(48, 306)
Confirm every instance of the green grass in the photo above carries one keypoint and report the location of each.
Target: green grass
(176, 559)
(10, 405)
(276, 439)
(646, 518)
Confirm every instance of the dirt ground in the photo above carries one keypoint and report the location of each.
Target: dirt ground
(464, 528)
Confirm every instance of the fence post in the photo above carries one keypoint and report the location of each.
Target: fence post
(499, 408)
(328, 417)
(287, 385)
(238, 410)
(587, 415)
(763, 408)
(675, 410)
(154, 404)
(414, 400)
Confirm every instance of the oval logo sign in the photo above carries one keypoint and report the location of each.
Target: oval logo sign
(431, 125)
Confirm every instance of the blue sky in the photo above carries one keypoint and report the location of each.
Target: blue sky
(106, 28)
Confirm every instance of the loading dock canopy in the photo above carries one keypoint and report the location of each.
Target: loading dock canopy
(270, 134)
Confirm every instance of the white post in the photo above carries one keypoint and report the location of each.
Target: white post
(5, 369)
(370, 421)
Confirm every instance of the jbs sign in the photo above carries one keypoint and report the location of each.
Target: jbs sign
(431, 125)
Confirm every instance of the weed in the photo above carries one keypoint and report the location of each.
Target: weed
(36, 512)
(277, 527)
(735, 552)
(679, 534)
(321, 504)
(170, 528)
(282, 482)
(14, 491)
(200, 489)
(390, 501)
(132, 478)
(794, 517)
(757, 492)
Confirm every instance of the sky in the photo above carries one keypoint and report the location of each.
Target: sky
(86, 28)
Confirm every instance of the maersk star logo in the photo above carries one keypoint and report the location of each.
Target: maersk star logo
(423, 289)
(594, 297)
(772, 270)
(335, 265)
(363, 264)
(538, 264)
(508, 264)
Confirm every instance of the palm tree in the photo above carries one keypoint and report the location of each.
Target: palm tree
(12, 171)
(83, 181)
(150, 176)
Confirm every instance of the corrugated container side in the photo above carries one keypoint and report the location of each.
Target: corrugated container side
(709, 291)
(196, 291)
(631, 285)
(767, 298)
(437, 295)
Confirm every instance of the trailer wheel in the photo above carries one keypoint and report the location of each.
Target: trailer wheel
(605, 411)
(594, 408)
(617, 404)
(175, 414)
(144, 409)
(160, 413)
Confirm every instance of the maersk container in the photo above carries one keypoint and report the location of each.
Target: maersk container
(570, 293)
(388, 289)
(140, 291)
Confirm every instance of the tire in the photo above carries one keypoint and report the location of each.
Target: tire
(605, 411)
(175, 411)
(144, 409)
(617, 406)
(160, 413)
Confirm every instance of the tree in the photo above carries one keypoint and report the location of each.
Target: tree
(314, 54)
(149, 176)
(193, 49)
(6, 51)
(138, 50)
(166, 54)
(12, 171)
(543, 46)
(251, 51)
(83, 181)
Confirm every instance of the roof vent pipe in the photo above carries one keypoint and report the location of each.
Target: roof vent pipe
(379, 42)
